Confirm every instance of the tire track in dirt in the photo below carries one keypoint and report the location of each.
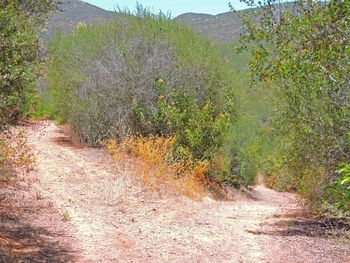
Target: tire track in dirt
(115, 220)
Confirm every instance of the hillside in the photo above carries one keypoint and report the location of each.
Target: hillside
(223, 27)
(71, 13)
(220, 28)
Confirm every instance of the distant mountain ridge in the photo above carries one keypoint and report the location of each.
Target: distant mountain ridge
(223, 27)
(70, 14)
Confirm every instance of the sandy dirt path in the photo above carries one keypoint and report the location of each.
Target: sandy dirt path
(113, 219)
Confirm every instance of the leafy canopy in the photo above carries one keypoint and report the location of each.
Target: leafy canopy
(301, 51)
(19, 56)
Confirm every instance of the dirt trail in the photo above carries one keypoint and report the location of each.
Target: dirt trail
(112, 219)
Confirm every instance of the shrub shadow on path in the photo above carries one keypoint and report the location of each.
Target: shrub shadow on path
(22, 242)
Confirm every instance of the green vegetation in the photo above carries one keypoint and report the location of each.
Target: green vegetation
(144, 75)
(65, 216)
(18, 54)
(339, 191)
(19, 60)
(303, 60)
(249, 134)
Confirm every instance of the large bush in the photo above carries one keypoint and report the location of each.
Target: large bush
(18, 55)
(142, 74)
(20, 21)
(302, 52)
(19, 45)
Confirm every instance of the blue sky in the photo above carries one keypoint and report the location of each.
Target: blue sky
(176, 7)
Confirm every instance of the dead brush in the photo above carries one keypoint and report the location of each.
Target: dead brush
(157, 167)
(15, 155)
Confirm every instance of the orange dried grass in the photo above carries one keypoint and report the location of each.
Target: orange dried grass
(156, 166)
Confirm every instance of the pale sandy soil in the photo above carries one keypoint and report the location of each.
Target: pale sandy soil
(112, 218)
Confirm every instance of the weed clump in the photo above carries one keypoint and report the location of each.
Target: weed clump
(15, 155)
(65, 216)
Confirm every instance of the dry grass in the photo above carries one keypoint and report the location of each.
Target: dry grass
(157, 167)
(15, 155)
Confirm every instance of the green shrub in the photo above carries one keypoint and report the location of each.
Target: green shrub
(301, 53)
(19, 65)
(146, 75)
(198, 127)
(19, 56)
(338, 193)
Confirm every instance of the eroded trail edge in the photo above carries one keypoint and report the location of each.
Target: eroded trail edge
(113, 219)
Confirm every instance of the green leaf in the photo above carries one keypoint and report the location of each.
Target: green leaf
(345, 181)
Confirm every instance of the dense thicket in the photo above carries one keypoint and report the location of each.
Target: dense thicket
(146, 75)
(249, 135)
(302, 53)
(19, 44)
(19, 61)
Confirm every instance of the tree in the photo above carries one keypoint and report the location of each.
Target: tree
(20, 22)
(301, 50)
